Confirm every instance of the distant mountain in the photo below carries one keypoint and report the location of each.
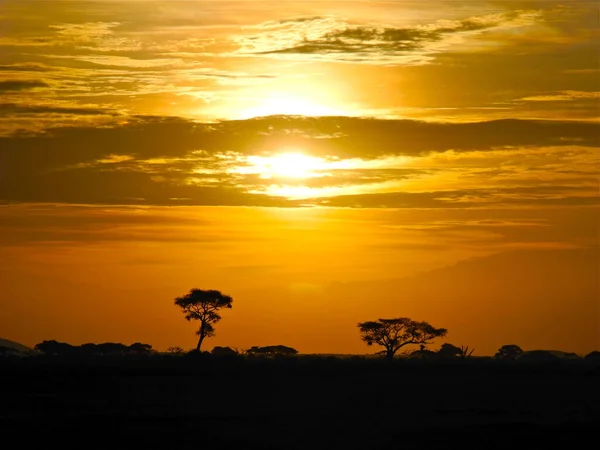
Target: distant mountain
(563, 355)
(15, 347)
(545, 299)
(543, 356)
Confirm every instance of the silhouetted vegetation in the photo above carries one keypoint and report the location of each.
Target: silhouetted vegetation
(203, 306)
(449, 351)
(272, 351)
(228, 400)
(260, 397)
(593, 358)
(422, 353)
(105, 349)
(546, 356)
(175, 351)
(6, 351)
(509, 352)
(224, 352)
(393, 334)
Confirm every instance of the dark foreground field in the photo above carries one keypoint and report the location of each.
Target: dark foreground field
(304, 403)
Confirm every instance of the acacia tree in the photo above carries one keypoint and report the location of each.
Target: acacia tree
(203, 306)
(393, 334)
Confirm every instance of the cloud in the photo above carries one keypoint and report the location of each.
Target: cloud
(465, 199)
(65, 224)
(21, 85)
(24, 109)
(330, 38)
(563, 96)
(30, 67)
(87, 31)
(120, 61)
(176, 60)
(98, 36)
(361, 162)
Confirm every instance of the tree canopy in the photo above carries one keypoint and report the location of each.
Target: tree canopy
(509, 352)
(224, 352)
(204, 306)
(449, 351)
(393, 334)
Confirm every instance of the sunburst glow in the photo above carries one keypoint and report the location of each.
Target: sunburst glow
(280, 103)
(285, 165)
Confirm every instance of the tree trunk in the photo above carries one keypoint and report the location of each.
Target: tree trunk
(200, 340)
(389, 355)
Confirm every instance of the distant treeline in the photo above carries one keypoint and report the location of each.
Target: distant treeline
(447, 352)
(103, 349)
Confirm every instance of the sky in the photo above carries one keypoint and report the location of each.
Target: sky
(324, 163)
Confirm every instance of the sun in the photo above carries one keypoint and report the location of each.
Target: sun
(288, 165)
(293, 165)
(284, 165)
(283, 103)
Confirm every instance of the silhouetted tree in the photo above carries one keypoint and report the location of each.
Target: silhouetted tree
(393, 334)
(421, 353)
(105, 349)
(272, 350)
(140, 349)
(224, 351)
(175, 351)
(56, 348)
(448, 351)
(508, 352)
(452, 351)
(203, 306)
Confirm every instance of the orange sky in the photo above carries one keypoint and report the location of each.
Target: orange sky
(323, 163)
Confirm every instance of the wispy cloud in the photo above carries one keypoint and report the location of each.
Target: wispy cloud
(22, 85)
(42, 109)
(563, 96)
(119, 61)
(31, 67)
(99, 36)
(333, 39)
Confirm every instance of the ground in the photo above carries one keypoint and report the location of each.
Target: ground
(315, 403)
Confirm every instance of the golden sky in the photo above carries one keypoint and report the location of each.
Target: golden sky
(323, 163)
